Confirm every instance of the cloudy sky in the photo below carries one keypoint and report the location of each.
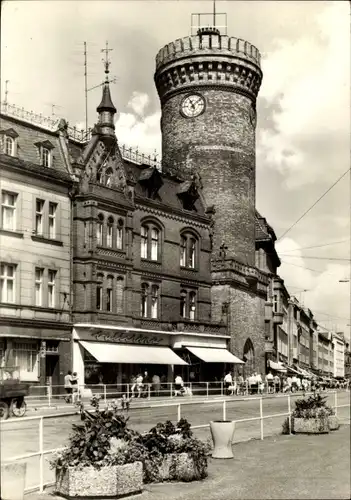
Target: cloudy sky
(303, 132)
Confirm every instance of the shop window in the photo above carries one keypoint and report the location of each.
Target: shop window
(150, 242)
(188, 251)
(109, 292)
(7, 283)
(26, 358)
(100, 279)
(8, 210)
(120, 295)
(99, 229)
(109, 236)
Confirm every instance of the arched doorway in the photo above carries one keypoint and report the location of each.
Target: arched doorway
(249, 357)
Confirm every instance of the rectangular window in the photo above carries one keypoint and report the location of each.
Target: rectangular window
(7, 283)
(8, 211)
(86, 233)
(183, 251)
(275, 303)
(51, 288)
(154, 301)
(183, 295)
(9, 146)
(119, 295)
(52, 220)
(143, 243)
(39, 273)
(26, 358)
(143, 301)
(192, 305)
(39, 216)
(192, 250)
(154, 244)
(119, 237)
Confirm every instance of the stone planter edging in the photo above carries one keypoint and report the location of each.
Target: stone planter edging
(310, 425)
(333, 423)
(112, 481)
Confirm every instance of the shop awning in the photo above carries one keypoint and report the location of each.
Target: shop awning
(106, 352)
(213, 355)
(277, 366)
(290, 369)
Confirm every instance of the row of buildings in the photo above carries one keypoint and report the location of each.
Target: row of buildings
(112, 264)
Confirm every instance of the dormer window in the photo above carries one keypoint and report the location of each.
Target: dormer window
(8, 140)
(45, 153)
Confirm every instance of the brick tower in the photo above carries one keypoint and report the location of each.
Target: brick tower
(208, 85)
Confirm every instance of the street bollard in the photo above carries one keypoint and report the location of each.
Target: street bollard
(179, 412)
(261, 419)
(336, 403)
(224, 410)
(289, 411)
(207, 390)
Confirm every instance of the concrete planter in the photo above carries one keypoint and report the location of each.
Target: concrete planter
(222, 432)
(13, 478)
(310, 425)
(178, 467)
(333, 423)
(115, 481)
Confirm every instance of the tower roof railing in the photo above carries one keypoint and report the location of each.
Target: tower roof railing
(75, 134)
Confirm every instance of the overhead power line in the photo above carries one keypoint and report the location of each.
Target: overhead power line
(319, 246)
(311, 257)
(308, 268)
(315, 203)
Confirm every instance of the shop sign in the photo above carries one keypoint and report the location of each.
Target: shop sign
(126, 337)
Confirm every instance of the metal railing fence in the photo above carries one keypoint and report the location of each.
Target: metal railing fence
(41, 453)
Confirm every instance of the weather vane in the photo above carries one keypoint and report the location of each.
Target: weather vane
(106, 61)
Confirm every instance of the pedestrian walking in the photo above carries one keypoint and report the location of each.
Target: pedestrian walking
(228, 381)
(156, 384)
(68, 387)
(178, 386)
(75, 387)
(139, 384)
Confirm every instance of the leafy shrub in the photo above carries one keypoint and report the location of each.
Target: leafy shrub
(314, 406)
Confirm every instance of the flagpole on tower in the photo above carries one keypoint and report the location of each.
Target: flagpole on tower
(214, 13)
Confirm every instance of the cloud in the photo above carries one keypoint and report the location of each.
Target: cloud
(138, 102)
(309, 135)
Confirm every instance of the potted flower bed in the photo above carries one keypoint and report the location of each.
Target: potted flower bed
(87, 468)
(313, 416)
(106, 459)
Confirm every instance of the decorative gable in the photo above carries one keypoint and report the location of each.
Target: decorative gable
(188, 193)
(10, 132)
(44, 144)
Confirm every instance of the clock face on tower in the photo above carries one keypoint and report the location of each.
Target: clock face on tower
(192, 105)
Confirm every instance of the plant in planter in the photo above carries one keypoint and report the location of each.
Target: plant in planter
(312, 415)
(88, 467)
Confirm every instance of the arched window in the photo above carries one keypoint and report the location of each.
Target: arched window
(9, 146)
(143, 299)
(99, 177)
(154, 301)
(188, 251)
(100, 279)
(109, 236)
(249, 357)
(109, 292)
(99, 228)
(119, 234)
(192, 305)
(108, 177)
(120, 295)
(183, 297)
(150, 242)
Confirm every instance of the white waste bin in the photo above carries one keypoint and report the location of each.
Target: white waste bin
(13, 477)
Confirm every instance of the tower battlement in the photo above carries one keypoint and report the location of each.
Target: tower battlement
(205, 59)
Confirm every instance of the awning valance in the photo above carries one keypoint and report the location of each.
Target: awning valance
(213, 355)
(106, 352)
(279, 367)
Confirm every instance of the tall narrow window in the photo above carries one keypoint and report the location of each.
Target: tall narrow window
(99, 226)
(119, 234)
(120, 295)
(192, 305)
(100, 279)
(109, 291)
(51, 288)
(7, 283)
(45, 157)
(108, 177)
(143, 236)
(8, 211)
(183, 295)
(154, 301)
(192, 250)
(109, 235)
(183, 251)
(154, 244)
(52, 220)
(86, 233)
(39, 217)
(143, 302)
(9, 146)
(39, 286)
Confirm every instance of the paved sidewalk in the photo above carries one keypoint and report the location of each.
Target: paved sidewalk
(281, 467)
